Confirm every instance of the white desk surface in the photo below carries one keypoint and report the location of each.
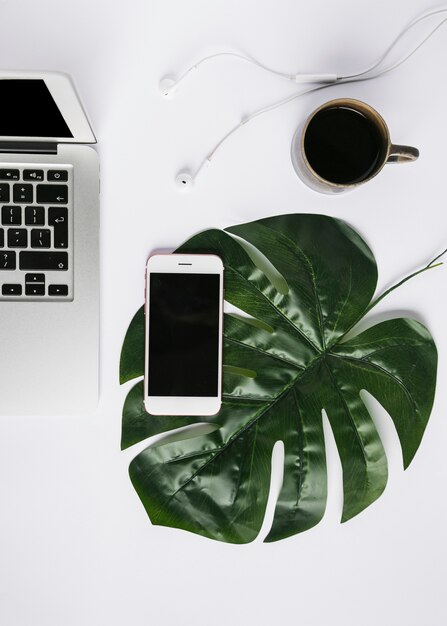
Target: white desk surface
(76, 547)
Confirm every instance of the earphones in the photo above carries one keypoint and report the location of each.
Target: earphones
(169, 85)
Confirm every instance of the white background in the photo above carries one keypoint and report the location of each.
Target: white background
(76, 547)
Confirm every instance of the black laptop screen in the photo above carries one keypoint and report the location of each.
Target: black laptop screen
(27, 109)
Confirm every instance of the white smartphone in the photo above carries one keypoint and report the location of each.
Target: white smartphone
(183, 323)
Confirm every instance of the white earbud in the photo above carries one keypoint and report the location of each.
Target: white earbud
(184, 181)
(167, 86)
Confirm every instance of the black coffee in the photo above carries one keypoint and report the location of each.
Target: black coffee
(342, 145)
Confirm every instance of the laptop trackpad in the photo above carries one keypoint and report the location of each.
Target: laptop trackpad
(49, 358)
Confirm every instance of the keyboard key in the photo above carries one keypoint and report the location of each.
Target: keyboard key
(58, 217)
(43, 260)
(4, 193)
(40, 238)
(35, 290)
(34, 215)
(58, 290)
(17, 237)
(11, 215)
(11, 290)
(52, 194)
(2, 238)
(9, 174)
(34, 278)
(57, 175)
(7, 260)
(32, 174)
(22, 193)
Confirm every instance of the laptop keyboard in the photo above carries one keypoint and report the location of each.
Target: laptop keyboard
(36, 232)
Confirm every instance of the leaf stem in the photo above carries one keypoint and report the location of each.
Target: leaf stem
(373, 303)
(431, 265)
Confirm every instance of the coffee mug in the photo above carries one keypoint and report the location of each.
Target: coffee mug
(343, 144)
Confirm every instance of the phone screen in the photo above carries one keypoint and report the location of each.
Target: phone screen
(183, 334)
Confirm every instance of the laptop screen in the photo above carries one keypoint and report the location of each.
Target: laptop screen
(27, 109)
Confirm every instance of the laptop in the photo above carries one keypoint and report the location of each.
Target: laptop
(49, 257)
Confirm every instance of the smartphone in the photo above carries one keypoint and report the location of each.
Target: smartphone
(183, 324)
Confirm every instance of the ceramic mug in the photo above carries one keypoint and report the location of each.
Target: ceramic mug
(343, 144)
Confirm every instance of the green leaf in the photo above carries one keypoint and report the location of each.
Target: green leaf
(305, 281)
(132, 353)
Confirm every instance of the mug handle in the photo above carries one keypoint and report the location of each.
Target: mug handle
(402, 154)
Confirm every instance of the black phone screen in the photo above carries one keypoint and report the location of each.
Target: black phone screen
(183, 334)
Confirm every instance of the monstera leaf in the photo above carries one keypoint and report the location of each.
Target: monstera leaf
(304, 281)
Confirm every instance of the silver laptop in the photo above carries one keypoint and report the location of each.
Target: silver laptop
(49, 257)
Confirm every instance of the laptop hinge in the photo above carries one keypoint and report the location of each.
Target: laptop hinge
(30, 147)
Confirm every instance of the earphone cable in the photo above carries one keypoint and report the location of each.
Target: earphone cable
(237, 56)
(353, 78)
(396, 41)
(364, 75)
(293, 76)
